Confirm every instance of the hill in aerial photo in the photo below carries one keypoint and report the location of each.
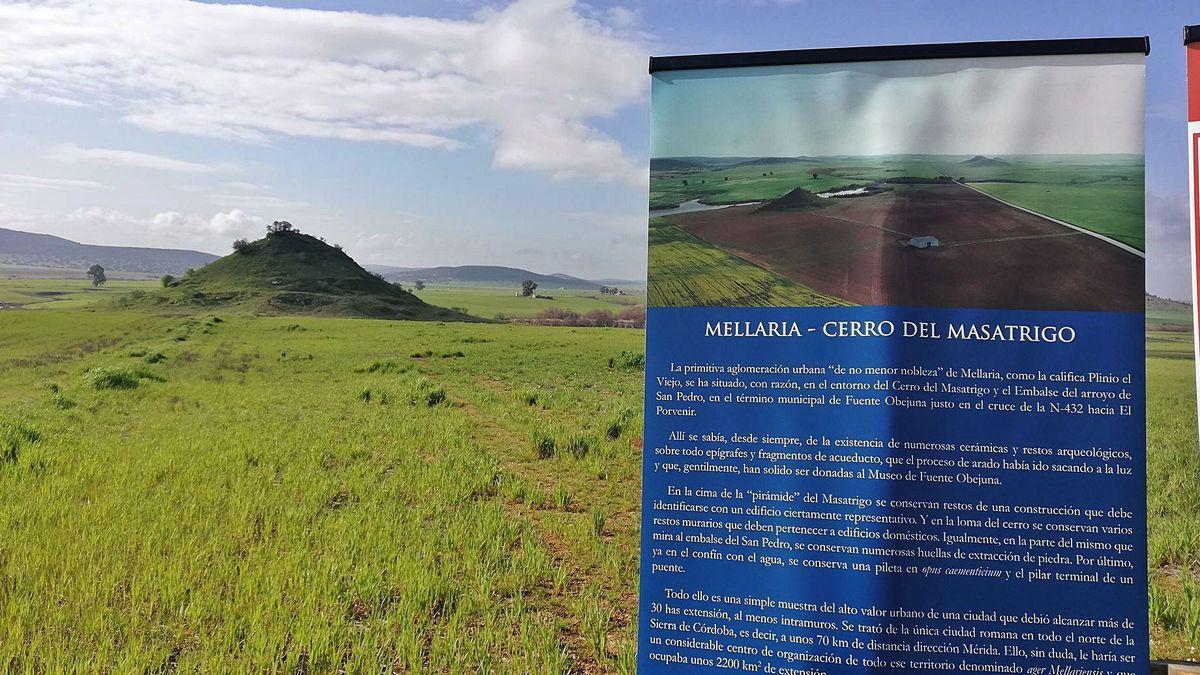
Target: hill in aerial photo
(980, 160)
(289, 272)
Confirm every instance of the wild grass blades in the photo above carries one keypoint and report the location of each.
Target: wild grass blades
(562, 498)
(14, 435)
(544, 444)
(580, 444)
(119, 377)
(370, 395)
(56, 396)
(385, 367)
(628, 361)
(618, 423)
(595, 620)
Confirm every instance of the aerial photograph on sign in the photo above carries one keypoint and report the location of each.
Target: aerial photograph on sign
(966, 214)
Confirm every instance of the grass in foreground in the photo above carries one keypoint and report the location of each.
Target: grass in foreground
(231, 493)
(238, 504)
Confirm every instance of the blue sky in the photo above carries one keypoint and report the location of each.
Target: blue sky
(465, 133)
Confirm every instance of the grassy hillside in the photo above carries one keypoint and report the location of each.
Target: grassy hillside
(294, 273)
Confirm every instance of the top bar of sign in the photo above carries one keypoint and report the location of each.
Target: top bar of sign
(947, 50)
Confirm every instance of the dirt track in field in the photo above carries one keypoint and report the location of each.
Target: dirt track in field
(991, 255)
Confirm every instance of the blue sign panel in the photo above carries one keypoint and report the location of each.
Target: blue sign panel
(895, 411)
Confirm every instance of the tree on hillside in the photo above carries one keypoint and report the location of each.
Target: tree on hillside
(96, 273)
(280, 227)
(528, 287)
(419, 285)
(240, 245)
(167, 280)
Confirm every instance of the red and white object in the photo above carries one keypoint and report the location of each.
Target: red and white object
(1191, 41)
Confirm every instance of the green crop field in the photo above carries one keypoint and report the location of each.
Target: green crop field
(229, 493)
(691, 272)
(241, 494)
(488, 302)
(61, 293)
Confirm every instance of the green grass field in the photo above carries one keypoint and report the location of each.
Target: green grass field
(309, 495)
(690, 272)
(63, 293)
(482, 301)
(280, 494)
(487, 302)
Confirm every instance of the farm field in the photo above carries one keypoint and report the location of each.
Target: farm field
(1103, 193)
(838, 226)
(482, 301)
(220, 492)
(62, 293)
(691, 272)
(990, 255)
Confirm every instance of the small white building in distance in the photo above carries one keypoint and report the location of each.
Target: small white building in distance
(923, 242)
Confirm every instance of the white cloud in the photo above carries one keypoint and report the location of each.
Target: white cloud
(378, 247)
(191, 226)
(532, 74)
(97, 224)
(17, 180)
(73, 154)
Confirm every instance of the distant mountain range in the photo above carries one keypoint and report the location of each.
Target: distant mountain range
(45, 250)
(491, 275)
(684, 163)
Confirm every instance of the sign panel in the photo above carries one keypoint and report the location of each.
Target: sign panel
(895, 412)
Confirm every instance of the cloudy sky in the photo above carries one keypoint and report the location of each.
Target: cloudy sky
(1076, 104)
(431, 132)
